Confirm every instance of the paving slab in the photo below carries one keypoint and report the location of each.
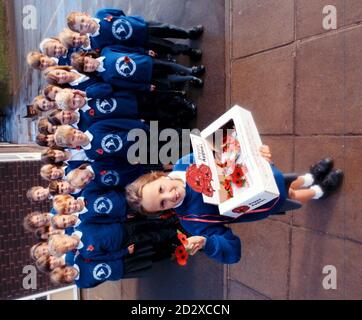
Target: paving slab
(353, 272)
(264, 84)
(237, 291)
(311, 253)
(320, 86)
(265, 257)
(258, 25)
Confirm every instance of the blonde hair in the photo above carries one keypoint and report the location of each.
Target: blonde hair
(60, 203)
(35, 247)
(67, 35)
(134, 190)
(63, 98)
(33, 59)
(62, 136)
(71, 20)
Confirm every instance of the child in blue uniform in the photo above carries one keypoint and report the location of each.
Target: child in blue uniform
(157, 192)
(133, 68)
(104, 139)
(112, 26)
(93, 206)
(122, 104)
(53, 47)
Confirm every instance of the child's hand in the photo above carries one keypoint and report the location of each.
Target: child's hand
(131, 249)
(153, 87)
(265, 153)
(152, 53)
(194, 244)
(82, 93)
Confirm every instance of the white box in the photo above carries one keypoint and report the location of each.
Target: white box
(259, 186)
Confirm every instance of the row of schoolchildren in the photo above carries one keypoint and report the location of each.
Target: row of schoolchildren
(103, 78)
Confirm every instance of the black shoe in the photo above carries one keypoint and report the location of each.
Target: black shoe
(321, 169)
(196, 32)
(190, 108)
(197, 82)
(195, 54)
(198, 70)
(331, 182)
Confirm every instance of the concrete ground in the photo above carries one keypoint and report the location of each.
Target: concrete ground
(302, 84)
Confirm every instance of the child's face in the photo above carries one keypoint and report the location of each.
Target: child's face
(64, 243)
(51, 128)
(41, 194)
(64, 187)
(70, 274)
(82, 178)
(162, 194)
(45, 105)
(55, 49)
(77, 40)
(73, 206)
(42, 250)
(56, 173)
(90, 64)
(46, 62)
(67, 117)
(50, 140)
(53, 92)
(78, 138)
(85, 24)
(40, 220)
(55, 262)
(77, 102)
(61, 156)
(65, 221)
(62, 76)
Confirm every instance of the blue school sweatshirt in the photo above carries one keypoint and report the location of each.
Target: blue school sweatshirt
(127, 68)
(106, 206)
(111, 173)
(122, 105)
(93, 273)
(101, 241)
(117, 28)
(221, 244)
(109, 138)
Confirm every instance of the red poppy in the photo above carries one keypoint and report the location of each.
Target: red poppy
(207, 190)
(78, 148)
(180, 251)
(227, 184)
(90, 248)
(241, 209)
(182, 238)
(182, 260)
(91, 112)
(205, 172)
(103, 172)
(108, 18)
(166, 215)
(239, 183)
(100, 151)
(237, 174)
(193, 178)
(98, 50)
(127, 59)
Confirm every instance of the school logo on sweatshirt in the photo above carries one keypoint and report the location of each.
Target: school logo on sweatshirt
(102, 271)
(111, 178)
(103, 205)
(106, 106)
(111, 143)
(122, 29)
(126, 67)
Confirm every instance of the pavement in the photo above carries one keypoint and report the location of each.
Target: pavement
(302, 84)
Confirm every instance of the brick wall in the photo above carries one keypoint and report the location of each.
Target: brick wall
(15, 179)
